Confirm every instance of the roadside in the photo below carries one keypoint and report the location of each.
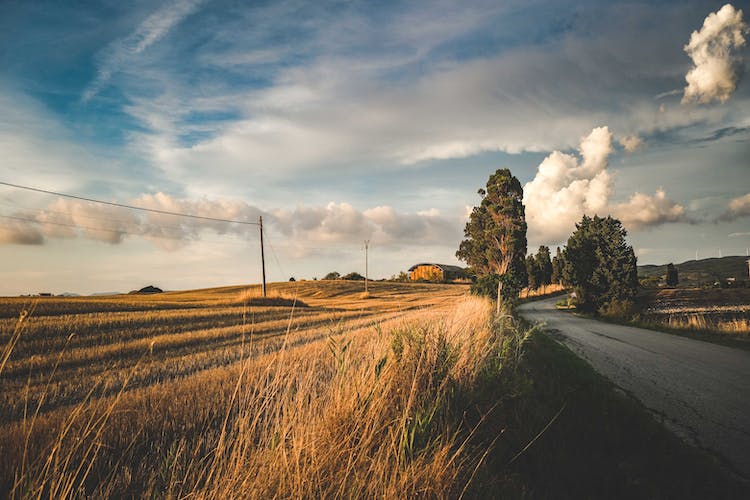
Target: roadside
(686, 316)
(697, 389)
(570, 433)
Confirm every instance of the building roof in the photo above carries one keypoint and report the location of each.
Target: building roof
(444, 267)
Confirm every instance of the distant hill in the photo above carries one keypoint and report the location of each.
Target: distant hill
(147, 290)
(695, 272)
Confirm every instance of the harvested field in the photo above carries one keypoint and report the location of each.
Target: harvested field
(705, 310)
(140, 375)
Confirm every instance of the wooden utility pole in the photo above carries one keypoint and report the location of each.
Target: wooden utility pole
(367, 246)
(262, 254)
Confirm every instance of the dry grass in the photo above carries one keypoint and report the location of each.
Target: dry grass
(722, 311)
(705, 323)
(541, 291)
(346, 397)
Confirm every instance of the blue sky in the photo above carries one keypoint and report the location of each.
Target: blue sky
(345, 121)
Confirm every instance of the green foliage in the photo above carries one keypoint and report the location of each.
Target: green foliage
(544, 265)
(332, 276)
(649, 281)
(402, 277)
(495, 241)
(533, 272)
(539, 268)
(599, 264)
(558, 264)
(486, 285)
(672, 276)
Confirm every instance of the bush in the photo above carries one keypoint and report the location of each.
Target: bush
(618, 309)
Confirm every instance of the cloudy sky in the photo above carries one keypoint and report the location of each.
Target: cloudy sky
(345, 121)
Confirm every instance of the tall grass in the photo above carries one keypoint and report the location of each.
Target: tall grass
(705, 323)
(368, 416)
(364, 407)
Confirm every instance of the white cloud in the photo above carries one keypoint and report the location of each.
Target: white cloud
(738, 207)
(15, 232)
(121, 52)
(65, 218)
(565, 188)
(713, 50)
(631, 143)
(334, 223)
(643, 210)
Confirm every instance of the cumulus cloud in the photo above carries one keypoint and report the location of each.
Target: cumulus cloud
(714, 51)
(631, 143)
(738, 207)
(342, 223)
(67, 219)
(16, 232)
(643, 210)
(332, 224)
(566, 187)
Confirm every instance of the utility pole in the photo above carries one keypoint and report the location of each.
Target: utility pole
(367, 246)
(262, 254)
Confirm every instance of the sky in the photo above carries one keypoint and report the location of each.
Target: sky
(345, 121)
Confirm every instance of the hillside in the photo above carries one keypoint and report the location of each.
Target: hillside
(695, 272)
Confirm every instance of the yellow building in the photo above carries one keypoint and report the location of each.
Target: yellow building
(427, 271)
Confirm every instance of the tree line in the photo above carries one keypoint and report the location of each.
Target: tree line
(597, 263)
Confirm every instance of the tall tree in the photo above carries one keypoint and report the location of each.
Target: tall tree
(533, 272)
(558, 263)
(544, 264)
(672, 275)
(495, 243)
(599, 263)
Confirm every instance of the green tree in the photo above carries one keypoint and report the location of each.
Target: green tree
(533, 273)
(544, 265)
(672, 275)
(558, 263)
(495, 243)
(599, 263)
(332, 276)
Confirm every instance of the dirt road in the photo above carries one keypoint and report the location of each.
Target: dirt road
(701, 390)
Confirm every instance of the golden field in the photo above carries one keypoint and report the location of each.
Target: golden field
(316, 391)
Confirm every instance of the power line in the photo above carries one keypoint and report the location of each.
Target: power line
(130, 207)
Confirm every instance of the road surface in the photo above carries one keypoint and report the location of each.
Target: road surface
(702, 390)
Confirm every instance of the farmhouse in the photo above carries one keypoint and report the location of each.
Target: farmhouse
(428, 271)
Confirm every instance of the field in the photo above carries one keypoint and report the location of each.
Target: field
(317, 391)
(322, 393)
(716, 310)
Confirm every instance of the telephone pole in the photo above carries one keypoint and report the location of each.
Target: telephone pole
(367, 246)
(262, 253)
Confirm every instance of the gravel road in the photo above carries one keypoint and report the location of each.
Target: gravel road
(701, 390)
